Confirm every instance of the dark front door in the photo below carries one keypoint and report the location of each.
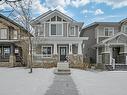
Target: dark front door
(62, 53)
(116, 54)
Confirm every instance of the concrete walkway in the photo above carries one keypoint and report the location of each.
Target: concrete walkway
(62, 85)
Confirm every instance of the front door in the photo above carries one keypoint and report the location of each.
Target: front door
(116, 55)
(62, 53)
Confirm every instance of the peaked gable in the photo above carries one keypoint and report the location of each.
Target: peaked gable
(50, 14)
(115, 36)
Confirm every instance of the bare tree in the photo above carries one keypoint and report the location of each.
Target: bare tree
(22, 13)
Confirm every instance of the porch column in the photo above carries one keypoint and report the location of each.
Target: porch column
(12, 50)
(106, 55)
(12, 58)
(125, 51)
(70, 48)
(111, 56)
(55, 48)
(79, 48)
(97, 56)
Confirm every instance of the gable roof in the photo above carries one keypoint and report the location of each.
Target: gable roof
(13, 22)
(118, 34)
(95, 24)
(108, 39)
(101, 23)
(49, 13)
(123, 20)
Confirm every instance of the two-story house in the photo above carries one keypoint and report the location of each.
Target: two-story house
(13, 44)
(56, 39)
(107, 43)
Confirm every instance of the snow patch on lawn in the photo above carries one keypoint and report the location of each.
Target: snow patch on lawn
(17, 81)
(100, 83)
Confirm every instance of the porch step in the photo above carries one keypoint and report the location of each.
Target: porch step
(62, 68)
(109, 67)
(117, 67)
(62, 72)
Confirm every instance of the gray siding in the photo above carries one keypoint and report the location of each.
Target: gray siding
(89, 51)
(47, 30)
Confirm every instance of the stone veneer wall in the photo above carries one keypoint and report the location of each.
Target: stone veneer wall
(12, 62)
(76, 61)
(46, 62)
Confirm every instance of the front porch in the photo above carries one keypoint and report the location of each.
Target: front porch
(58, 50)
(113, 51)
(10, 55)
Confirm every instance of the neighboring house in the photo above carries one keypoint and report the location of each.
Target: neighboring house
(107, 41)
(13, 46)
(56, 39)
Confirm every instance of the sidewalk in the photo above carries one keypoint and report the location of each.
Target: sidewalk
(62, 85)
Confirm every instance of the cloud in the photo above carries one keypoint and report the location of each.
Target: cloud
(96, 12)
(106, 18)
(55, 3)
(99, 12)
(38, 7)
(59, 5)
(113, 3)
(77, 3)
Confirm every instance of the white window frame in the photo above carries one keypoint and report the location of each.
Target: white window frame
(3, 38)
(47, 55)
(109, 28)
(124, 28)
(15, 37)
(74, 31)
(56, 28)
(39, 28)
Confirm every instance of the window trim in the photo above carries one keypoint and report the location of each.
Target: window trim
(39, 27)
(109, 29)
(74, 31)
(15, 37)
(42, 51)
(56, 28)
(6, 35)
(124, 27)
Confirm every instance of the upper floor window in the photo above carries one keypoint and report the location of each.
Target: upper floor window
(109, 31)
(72, 31)
(3, 33)
(15, 34)
(56, 29)
(39, 29)
(125, 28)
(56, 18)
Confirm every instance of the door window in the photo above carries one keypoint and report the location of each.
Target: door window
(63, 51)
